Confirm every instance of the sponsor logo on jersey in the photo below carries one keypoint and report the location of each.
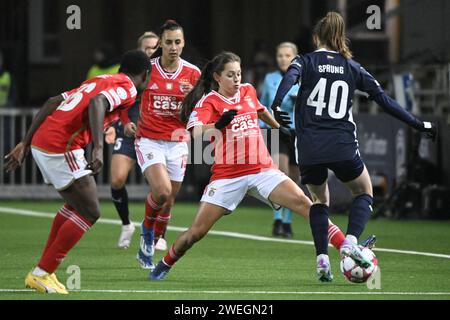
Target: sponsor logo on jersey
(243, 123)
(154, 87)
(169, 85)
(166, 103)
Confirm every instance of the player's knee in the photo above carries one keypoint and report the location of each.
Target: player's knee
(162, 194)
(95, 215)
(319, 199)
(303, 204)
(118, 183)
(90, 214)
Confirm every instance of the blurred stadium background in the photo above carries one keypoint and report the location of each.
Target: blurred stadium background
(409, 55)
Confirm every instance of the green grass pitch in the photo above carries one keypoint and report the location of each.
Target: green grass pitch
(223, 267)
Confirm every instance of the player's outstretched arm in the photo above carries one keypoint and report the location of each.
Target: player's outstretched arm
(98, 106)
(291, 77)
(17, 155)
(392, 107)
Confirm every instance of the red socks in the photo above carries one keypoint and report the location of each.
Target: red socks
(154, 218)
(151, 212)
(61, 217)
(64, 235)
(172, 257)
(335, 236)
(162, 220)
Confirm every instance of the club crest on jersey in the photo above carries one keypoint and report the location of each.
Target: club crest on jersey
(169, 86)
(154, 87)
(250, 102)
(211, 192)
(150, 156)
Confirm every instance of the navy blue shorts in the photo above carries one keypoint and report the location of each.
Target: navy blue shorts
(345, 171)
(124, 145)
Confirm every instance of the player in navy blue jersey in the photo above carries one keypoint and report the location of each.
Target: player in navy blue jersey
(326, 132)
(124, 155)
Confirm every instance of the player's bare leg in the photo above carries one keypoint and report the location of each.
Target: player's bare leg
(80, 212)
(206, 217)
(121, 165)
(289, 195)
(83, 196)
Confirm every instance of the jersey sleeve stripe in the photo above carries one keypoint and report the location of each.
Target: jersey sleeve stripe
(192, 124)
(133, 92)
(116, 97)
(110, 100)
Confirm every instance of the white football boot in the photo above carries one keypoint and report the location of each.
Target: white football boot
(125, 236)
(161, 245)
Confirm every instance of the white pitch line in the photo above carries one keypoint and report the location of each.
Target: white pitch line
(31, 213)
(379, 293)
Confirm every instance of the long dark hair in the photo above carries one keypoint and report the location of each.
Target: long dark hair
(169, 25)
(206, 83)
(330, 31)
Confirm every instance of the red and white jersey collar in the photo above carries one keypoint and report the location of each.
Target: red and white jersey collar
(231, 101)
(167, 75)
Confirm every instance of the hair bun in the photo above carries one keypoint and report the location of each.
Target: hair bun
(170, 21)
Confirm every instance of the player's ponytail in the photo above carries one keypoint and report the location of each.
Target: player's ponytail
(330, 32)
(169, 25)
(206, 83)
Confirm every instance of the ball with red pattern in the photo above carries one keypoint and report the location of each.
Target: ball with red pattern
(356, 274)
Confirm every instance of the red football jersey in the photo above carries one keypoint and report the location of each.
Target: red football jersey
(67, 128)
(240, 150)
(161, 102)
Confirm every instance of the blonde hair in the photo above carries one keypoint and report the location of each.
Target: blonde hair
(146, 35)
(288, 45)
(330, 31)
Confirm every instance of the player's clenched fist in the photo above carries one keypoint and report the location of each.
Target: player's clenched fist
(225, 119)
(130, 130)
(96, 163)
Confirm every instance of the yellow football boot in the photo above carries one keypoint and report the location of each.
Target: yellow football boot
(43, 284)
(56, 281)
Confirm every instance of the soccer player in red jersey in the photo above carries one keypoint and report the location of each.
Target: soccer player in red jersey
(161, 138)
(123, 158)
(62, 128)
(229, 111)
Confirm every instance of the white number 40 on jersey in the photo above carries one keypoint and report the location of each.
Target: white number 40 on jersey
(317, 98)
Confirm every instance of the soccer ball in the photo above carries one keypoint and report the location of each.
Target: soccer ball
(355, 273)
